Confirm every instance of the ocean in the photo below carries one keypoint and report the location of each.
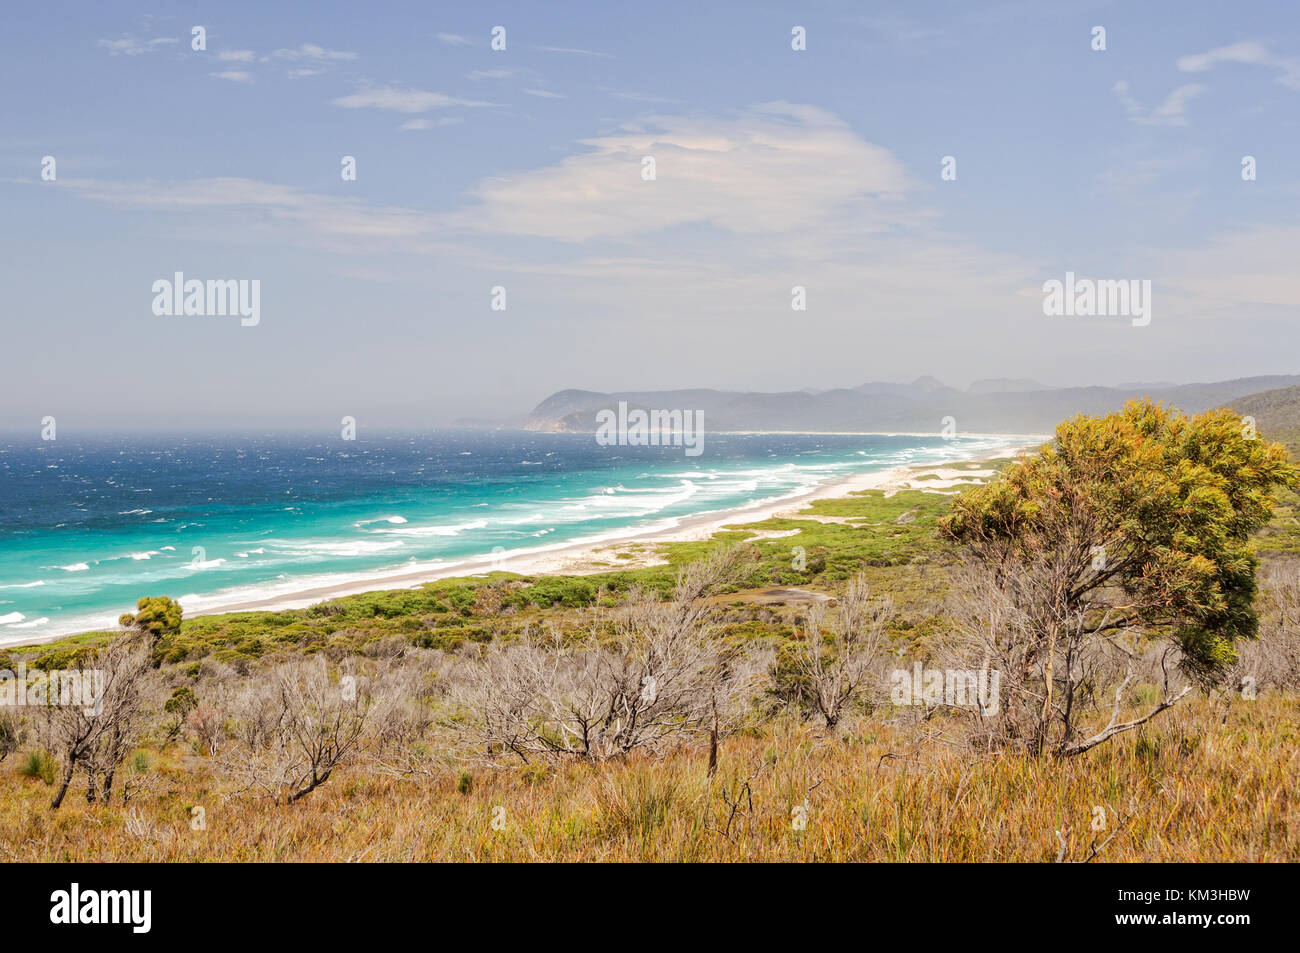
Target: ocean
(87, 526)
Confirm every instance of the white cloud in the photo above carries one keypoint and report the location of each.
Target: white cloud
(793, 179)
(567, 49)
(309, 51)
(1249, 53)
(237, 56)
(253, 211)
(1172, 112)
(776, 168)
(545, 94)
(313, 60)
(400, 99)
(412, 125)
(127, 45)
(235, 75)
(454, 39)
(492, 74)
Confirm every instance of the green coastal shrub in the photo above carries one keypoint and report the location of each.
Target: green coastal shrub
(181, 702)
(38, 764)
(574, 593)
(158, 615)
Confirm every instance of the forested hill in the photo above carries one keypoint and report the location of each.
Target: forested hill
(1003, 406)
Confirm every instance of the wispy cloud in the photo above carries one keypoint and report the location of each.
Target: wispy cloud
(1249, 53)
(401, 99)
(413, 125)
(266, 211)
(545, 94)
(1172, 112)
(568, 49)
(308, 59)
(454, 39)
(774, 168)
(310, 51)
(129, 45)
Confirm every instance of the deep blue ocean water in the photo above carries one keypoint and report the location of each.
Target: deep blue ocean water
(88, 526)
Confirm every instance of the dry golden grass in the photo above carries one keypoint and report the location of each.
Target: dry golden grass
(1194, 786)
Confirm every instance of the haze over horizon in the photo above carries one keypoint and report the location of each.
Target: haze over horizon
(522, 169)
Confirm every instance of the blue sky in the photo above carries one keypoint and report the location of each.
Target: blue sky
(521, 168)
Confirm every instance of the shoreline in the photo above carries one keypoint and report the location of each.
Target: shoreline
(587, 556)
(577, 557)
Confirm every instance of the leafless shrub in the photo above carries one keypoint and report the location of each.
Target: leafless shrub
(138, 827)
(640, 677)
(13, 731)
(215, 672)
(1005, 621)
(95, 736)
(391, 647)
(842, 655)
(206, 725)
(254, 710)
(406, 695)
(1273, 659)
(137, 778)
(295, 725)
(127, 710)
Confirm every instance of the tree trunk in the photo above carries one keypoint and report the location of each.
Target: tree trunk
(1045, 716)
(315, 783)
(713, 742)
(63, 788)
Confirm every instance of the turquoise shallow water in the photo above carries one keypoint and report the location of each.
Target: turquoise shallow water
(88, 526)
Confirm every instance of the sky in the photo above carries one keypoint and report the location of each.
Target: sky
(524, 169)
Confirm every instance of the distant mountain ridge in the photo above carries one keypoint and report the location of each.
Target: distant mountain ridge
(997, 406)
(1276, 413)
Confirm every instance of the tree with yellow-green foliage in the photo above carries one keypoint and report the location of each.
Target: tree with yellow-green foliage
(1129, 527)
(160, 616)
